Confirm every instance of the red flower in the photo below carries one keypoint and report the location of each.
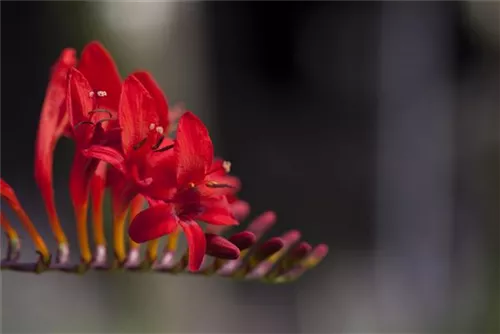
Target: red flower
(143, 119)
(143, 116)
(91, 102)
(199, 193)
(97, 65)
(53, 121)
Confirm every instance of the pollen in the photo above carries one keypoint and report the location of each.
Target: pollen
(159, 129)
(191, 185)
(91, 94)
(152, 126)
(102, 93)
(227, 166)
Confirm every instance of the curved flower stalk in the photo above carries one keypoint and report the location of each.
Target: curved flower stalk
(163, 178)
(239, 256)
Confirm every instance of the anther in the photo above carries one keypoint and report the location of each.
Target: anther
(152, 126)
(159, 129)
(191, 185)
(213, 184)
(102, 93)
(163, 149)
(140, 144)
(227, 166)
(158, 143)
(91, 94)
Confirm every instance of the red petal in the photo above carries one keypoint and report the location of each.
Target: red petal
(153, 223)
(98, 185)
(240, 209)
(122, 194)
(7, 193)
(217, 167)
(161, 167)
(78, 104)
(107, 154)
(196, 243)
(50, 128)
(221, 248)
(193, 149)
(136, 112)
(99, 68)
(79, 180)
(161, 102)
(217, 214)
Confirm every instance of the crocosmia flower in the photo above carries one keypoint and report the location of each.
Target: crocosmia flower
(162, 185)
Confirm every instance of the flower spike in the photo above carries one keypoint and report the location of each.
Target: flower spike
(127, 140)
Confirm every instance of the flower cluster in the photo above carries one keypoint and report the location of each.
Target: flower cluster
(123, 132)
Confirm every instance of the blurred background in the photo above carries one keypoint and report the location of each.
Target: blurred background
(372, 127)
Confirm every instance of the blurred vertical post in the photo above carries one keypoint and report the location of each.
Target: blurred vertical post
(414, 201)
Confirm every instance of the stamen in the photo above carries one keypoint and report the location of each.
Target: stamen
(166, 148)
(214, 184)
(152, 126)
(159, 129)
(102, 93)
(91, 94)
(92, 112)
(140, 144)
(103, 120)
(81, 123)
(157, 145)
